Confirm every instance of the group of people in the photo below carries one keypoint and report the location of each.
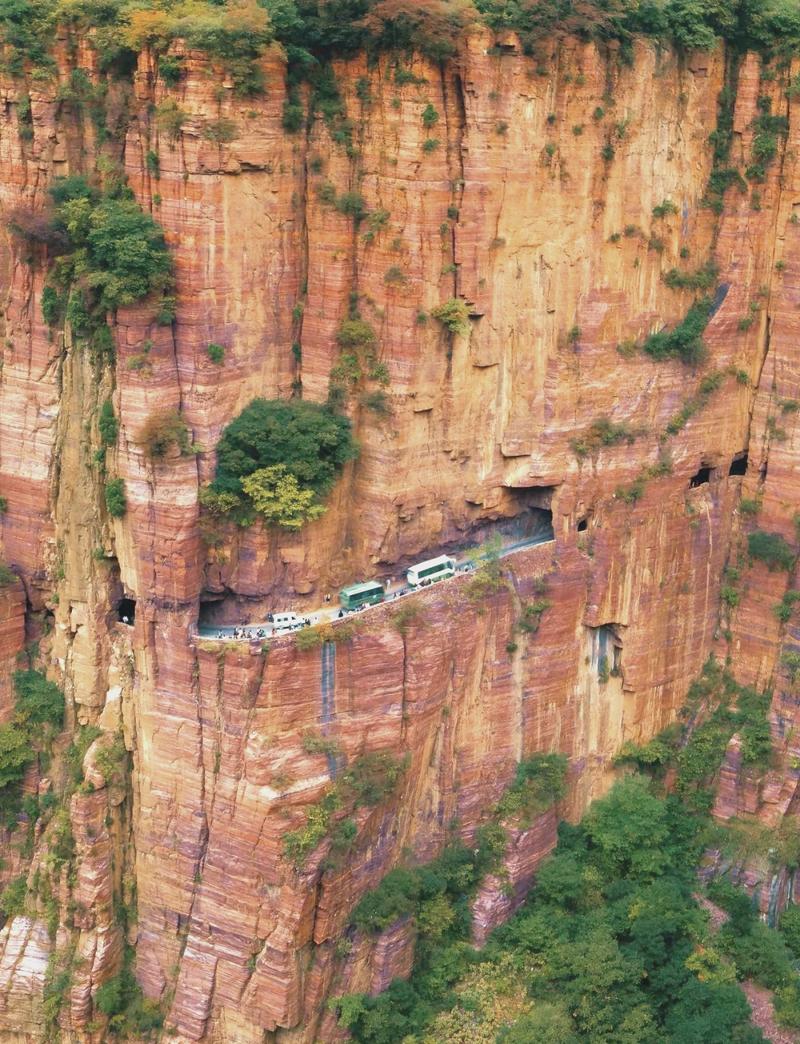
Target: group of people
(245, 632)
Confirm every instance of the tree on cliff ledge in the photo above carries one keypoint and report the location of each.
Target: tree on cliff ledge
(302, 442)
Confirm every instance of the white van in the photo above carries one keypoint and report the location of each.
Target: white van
(284, 620)
(284, 623)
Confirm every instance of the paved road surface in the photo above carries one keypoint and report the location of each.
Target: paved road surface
(331, 611)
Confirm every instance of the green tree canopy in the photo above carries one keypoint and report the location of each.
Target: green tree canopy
(310, 441)
(39, 701)
(278, 497)
(15, 753)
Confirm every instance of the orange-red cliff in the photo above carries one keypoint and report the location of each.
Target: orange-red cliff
(535, 207)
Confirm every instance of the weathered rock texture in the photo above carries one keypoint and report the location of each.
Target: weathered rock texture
(551, 239)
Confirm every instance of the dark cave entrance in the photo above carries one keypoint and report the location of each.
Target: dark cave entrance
(126, 611)
(739, 464)
(701, 477)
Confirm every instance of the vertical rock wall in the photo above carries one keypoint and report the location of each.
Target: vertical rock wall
(535, 206)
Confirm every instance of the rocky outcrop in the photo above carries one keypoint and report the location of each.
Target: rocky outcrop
(535, 206)
(500, 896)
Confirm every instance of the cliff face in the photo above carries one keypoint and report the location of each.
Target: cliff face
(535, 206)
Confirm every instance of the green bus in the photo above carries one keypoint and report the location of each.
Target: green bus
(369, 593)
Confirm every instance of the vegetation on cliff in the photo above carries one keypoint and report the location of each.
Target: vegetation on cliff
(611, 945)
(38, 716)
(115, 253)
(237, 32)
(277, 458)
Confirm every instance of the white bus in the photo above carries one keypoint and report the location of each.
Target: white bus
(429, 572)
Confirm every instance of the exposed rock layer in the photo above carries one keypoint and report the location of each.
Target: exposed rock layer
(539, 213)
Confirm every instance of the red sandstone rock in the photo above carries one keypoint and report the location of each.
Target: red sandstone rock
(246, 943)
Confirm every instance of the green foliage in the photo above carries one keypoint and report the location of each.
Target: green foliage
(633, 492)
(602, 950)
(170, 118)
(432, 893)
(315, 744)
(539, 782)
(294, 116)
(376, 402)
(222, 130)
(353, 205)
(790, 928)
(130, 1015)
(654, 756)
(15, 753)
(116, 501)
(453, 314)
(784, 609)
(701, 279)
(685, 341)
(310, 442)
(7, 576)
(772, 549)
(12, 899)
(356, 333)
(38, 701)
(118, 253)
(170, 69)
(112, 759)
(602, 432)
(430, 116)
(767, 128)
(664, 209)
(216, 353)
(313, 32)
(278, 497)
(52, 305)
(532, 613)
(488, 577)
(107, 424)
(369, 780)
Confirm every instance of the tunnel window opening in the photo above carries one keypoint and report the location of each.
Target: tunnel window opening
(701, 477)
(738, 465)
(126, 611)
(605, 651)
(583, 525)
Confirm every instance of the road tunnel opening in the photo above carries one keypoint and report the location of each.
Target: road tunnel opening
(535, 510)
(126, 611)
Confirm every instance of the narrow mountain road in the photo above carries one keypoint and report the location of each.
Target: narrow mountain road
(331, 612)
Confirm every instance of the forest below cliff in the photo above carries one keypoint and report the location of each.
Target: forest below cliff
(615, 942)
